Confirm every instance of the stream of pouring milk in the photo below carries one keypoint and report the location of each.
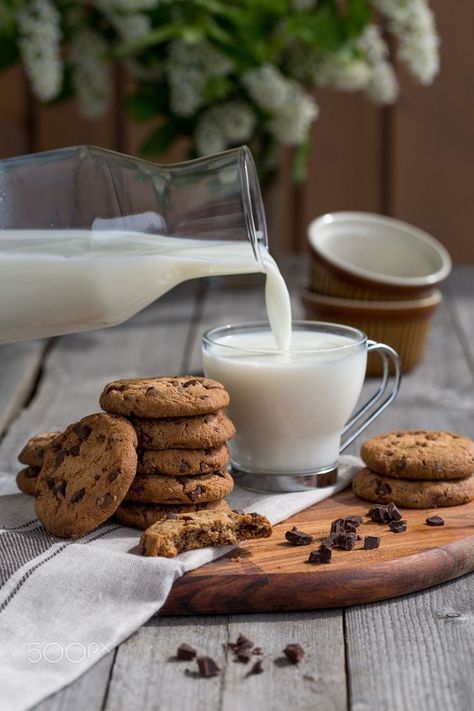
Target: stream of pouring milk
(64, 281)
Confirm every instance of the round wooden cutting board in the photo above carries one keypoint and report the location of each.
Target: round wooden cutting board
(271, 574)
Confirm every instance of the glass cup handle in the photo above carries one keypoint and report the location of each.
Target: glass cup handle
(382, 398)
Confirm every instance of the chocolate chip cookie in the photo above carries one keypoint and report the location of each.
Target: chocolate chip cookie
(26, 480)
(410, 493)
(86, 473)
(149, 488)
(185, 532)
(182, 462)
(130, 513)
(196, 432)
(179, 396)
(420, 454)
(34, 450)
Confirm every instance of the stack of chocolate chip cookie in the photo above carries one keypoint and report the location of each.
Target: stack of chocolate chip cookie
(32, 455)
(417, 469)
(182, 452)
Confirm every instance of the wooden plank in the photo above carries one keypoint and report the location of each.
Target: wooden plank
(413, 653)
(317, 682)
(432, 145)
(19, 367)
(87, 692)
(146, 677)
(271, 575)
(346, 161)
(13, 113)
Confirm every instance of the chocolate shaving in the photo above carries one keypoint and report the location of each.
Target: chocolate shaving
(398, 526)
(185, 652)
(294, 653)
(371, 542)
(257, 668)
(207, 667)
(298, 538)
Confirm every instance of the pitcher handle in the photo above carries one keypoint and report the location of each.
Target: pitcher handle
(384, 395)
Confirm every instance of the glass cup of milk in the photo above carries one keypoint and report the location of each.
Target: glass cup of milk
(293, 409)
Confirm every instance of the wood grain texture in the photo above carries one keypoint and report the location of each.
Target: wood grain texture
(413, 653)
(315, 683)
(272, 575)
(19, 367)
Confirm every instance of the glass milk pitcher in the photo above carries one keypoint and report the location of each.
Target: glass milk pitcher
(89, 237)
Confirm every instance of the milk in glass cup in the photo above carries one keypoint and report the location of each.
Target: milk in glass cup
(292, 409)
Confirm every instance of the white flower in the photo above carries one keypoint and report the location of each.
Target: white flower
(90, 72)
(291, 125)
(189, 68)
(39, 39)
(413, 23)
(131, 27)
(383, 84)
(292, 110)
(342, 73)
(224, 125)
(304, 5)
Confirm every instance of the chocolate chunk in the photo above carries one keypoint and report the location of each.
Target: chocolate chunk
(172, 516)
(185, 652)
(355, 520)
(371, 542)
(78, 495)
(338, 526)
(74, 451)
(326, 553)
(51, 482)
(346, 541)
(383, 489)
(401, 464)
(151, 389)
(257, 650)
(184, 467)
(294, 653)
(193, 495)
(329, 540)
(435, 521)
(243, 654)
(257, 668)
(398, 526)
(243, 641)
(60, 489)
(298, 538)
(207, 667)
(379, 514)
(59, 459)
(82, 431)
(104, 500)
(188, 383)
(393, 512)
(114, 474)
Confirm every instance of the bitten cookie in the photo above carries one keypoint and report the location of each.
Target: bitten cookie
(180, 396)
(27, 478)
(34, 450)
(185, 532)
(412, 494)
(201, 431)
(86, 473)
(182, 462)
(149, 488)
(143, 516)
(420, 454)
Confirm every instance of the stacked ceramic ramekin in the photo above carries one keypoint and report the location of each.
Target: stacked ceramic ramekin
(377, 274)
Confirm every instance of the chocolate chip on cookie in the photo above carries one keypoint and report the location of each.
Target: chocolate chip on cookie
(420, 454)
(180, 396)
(182, 462)
(34, 450)
(198, 432)
(86, 473)
(150, 488)
(413, 494)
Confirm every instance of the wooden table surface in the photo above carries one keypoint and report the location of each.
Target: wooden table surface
(412, 653)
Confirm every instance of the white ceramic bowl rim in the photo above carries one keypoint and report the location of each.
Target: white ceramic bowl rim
(318, 231)
(375, 305)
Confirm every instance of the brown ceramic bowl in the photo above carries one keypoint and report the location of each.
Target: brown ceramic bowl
(404, 325)
(359, 255)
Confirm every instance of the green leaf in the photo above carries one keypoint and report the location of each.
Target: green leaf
(162, 34)
(218, 88)
(300, 162)
(143, 107)
(359, 13)
(160, 139)
(322, 30)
